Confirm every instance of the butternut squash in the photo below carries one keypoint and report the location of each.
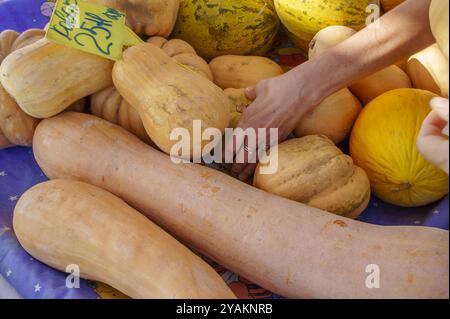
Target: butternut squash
(16, 126)
(374, 85)
(45, 78)
(428, 70)
(147, 17)
(284, 246)
(109, 104)
(439, 23)
(234, 71)
(312, 170)
(168, 96)
(334, 117)
(64, 222)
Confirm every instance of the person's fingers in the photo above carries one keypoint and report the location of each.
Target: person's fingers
(250, 93)
(432, 125)
(440, 106)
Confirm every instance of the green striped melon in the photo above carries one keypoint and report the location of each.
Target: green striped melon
(304, 18)
(224, 27)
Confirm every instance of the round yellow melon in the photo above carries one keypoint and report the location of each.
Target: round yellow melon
(305, 18)
(231, 27)
(383, 143)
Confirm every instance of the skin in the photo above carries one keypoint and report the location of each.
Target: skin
(282, 101)
(431, 142)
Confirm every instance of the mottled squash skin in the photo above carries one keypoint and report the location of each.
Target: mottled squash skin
(385, 147)
(111, 106)
(305, 18)
(16, 127)
(169, 96)
(313, 171)
(217, 27)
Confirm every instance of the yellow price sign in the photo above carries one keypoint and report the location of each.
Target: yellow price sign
(91, 28)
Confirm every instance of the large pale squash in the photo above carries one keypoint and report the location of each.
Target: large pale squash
(64, 222)
(169, 96)
(148, 17)
(4, 142)
(109, 104)
(305, 18)
(439, 23)
(237, 72)
(428, 70)
(374, 85)
(16, 126)
(383, 143)
(284, 246)
(334, 117)
(217, 27)
(45, 78)
(312, 170)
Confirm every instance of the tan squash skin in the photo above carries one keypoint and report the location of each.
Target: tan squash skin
(428, 70)
(334, 117)
(234, 71)
(168, 96)
(285, 246)
(109, 105)
(44, 83)
(64, 222)
(4, 142)
(17, 127)
(149, 17)
(313, 171)
(390, 4)
(374, 85)
(239, 103)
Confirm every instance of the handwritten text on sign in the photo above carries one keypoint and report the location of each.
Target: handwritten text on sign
(88, 27)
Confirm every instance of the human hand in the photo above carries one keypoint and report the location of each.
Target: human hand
(278, 103)
(431, 143)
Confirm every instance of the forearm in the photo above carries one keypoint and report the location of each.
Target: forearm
(400, 33)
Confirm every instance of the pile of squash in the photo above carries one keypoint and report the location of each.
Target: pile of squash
(111, 167)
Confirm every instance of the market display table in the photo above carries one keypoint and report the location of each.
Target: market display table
(19, 171)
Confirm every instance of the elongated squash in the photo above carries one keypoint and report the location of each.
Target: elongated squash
(64, 222)
(17, 127)
(428, 70)
(240, 72)
(169, 96)
(45, 78)
(284, 246)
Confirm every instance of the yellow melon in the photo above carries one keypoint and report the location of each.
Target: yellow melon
(305, 18)
(383, 143)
